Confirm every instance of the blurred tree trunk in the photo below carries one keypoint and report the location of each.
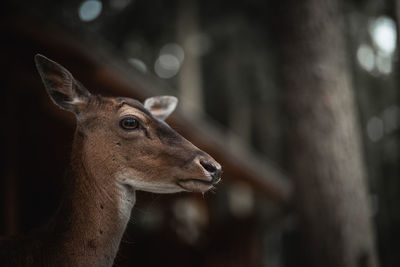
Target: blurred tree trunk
(189, 78)
(325, 152)
(389, 194)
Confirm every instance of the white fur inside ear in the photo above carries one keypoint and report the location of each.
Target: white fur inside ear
(76, 101)
(161, 106)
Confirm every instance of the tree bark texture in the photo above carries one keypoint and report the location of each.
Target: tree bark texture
(325, 152)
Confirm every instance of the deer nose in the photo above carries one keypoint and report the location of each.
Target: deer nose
(212, 168)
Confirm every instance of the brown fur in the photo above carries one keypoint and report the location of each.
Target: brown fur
(108, 164)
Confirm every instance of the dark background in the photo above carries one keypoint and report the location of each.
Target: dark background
(231, 83)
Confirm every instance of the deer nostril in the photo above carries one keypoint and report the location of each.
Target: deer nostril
(208, 166)
(213, 169)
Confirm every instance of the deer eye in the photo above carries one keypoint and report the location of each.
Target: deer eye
(129, 123)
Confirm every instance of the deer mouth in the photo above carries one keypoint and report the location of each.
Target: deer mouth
(197, 185)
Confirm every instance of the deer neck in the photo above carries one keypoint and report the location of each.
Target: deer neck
(94, 213)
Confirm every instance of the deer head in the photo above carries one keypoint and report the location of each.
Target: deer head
(130, 141)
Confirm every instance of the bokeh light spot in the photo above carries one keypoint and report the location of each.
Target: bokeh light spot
(241, 199)
(383, 33)
(366, 57)
(383, 64)
(138, 64)
(173, 49)
(167, 66)
(90, 10)
(119, 4)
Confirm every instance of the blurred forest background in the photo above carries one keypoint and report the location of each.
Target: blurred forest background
(299, 100)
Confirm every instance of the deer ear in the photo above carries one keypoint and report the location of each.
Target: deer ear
(161, 106)
(63, 89)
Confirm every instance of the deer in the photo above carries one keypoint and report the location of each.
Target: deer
(120, 146)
